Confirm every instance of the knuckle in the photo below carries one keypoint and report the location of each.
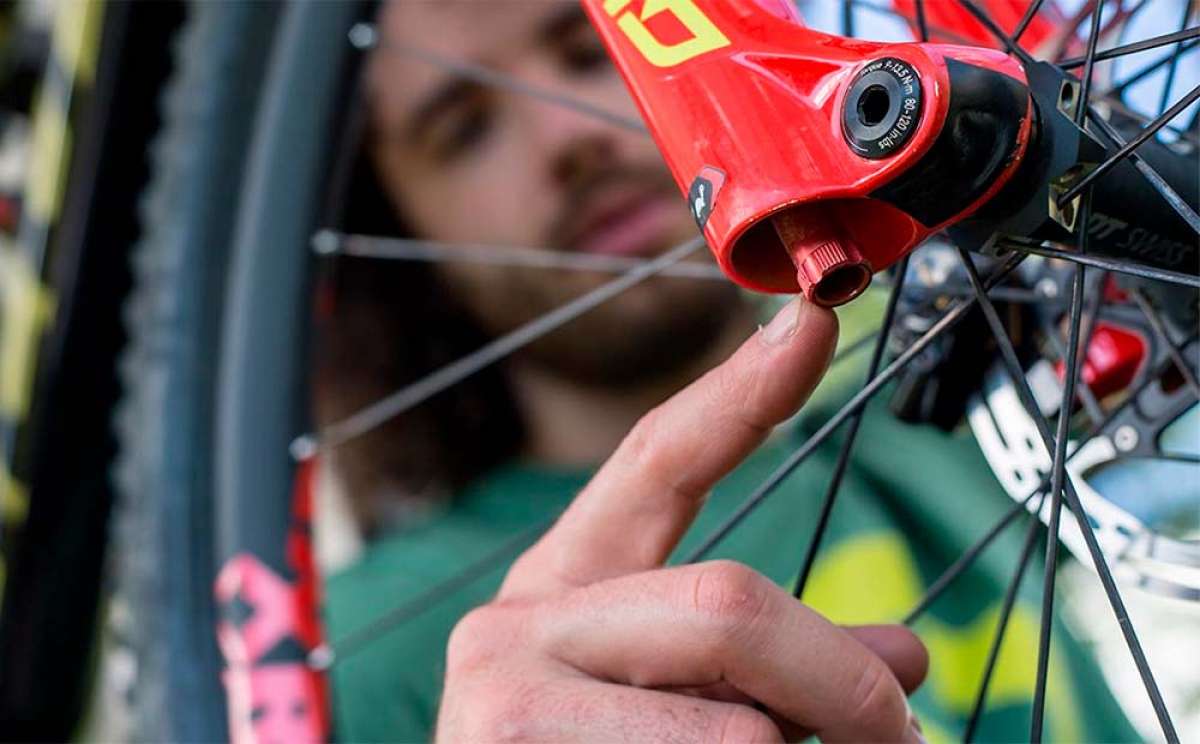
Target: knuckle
(731, 595)
(743, 725)
(642, 441)
(474, 641)
(877, 700)
(527, 568)
(649, 449)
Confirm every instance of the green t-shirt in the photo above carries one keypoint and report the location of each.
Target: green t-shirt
(912, 501)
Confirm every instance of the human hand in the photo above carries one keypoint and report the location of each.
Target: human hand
(591, 638)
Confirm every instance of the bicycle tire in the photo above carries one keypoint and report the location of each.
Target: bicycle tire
(163, 565)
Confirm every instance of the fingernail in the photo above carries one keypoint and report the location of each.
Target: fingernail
(783, 326)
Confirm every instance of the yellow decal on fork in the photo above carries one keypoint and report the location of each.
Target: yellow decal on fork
(705, 36)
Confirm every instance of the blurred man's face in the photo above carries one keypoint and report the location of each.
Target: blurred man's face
(466, 163)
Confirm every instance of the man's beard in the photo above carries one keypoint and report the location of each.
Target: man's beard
(647, 336)
(644, 336)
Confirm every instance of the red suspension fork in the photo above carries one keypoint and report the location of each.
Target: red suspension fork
(811, 161)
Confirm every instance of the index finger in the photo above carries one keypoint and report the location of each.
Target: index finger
(634, 511)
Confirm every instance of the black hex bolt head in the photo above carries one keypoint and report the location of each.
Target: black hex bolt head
(882, 108)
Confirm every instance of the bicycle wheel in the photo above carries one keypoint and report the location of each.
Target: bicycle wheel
(260, 391)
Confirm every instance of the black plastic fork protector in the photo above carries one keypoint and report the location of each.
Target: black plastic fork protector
(1130, 220)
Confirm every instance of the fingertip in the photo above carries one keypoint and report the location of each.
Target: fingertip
(821, 327)
(801, 321)
(774, 374)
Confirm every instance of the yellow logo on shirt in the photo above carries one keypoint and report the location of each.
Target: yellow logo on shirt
(705, 36)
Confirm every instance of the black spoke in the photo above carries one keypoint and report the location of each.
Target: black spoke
(1067, 30)
(1160, 330)
(365, 36)
(1085, 93)
(843, 461)
(1071, 373)
(1058, 468)
(986, 20)
(1174, 57)
(967, 559)
(1169, 195)
(1091, 316)
(1023, 24)
(1017, 295)
(1010, 600)
(1127, 149)
(384, 410)
(1091, 320)
(327, 654)
(952, 317)
(1094, 411)
(331, 243)
(1100, 262)
(1148, 70)
(1144, 45)
(1013, 365)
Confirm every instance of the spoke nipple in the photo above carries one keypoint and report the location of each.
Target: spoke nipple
(303, 447)
(1047, 287)
(363, 36)
(321, 657)
(326, 242)
(1125, 438)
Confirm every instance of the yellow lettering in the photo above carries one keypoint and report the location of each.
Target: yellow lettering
(76, 38)
(705, 35)
(26, 307)
(49, 157)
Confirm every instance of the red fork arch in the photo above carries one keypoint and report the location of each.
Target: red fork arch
(810, 160)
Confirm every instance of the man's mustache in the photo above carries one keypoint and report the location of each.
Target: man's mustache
(565, 229)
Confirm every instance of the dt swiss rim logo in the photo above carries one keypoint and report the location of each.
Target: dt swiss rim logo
(705, 36)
